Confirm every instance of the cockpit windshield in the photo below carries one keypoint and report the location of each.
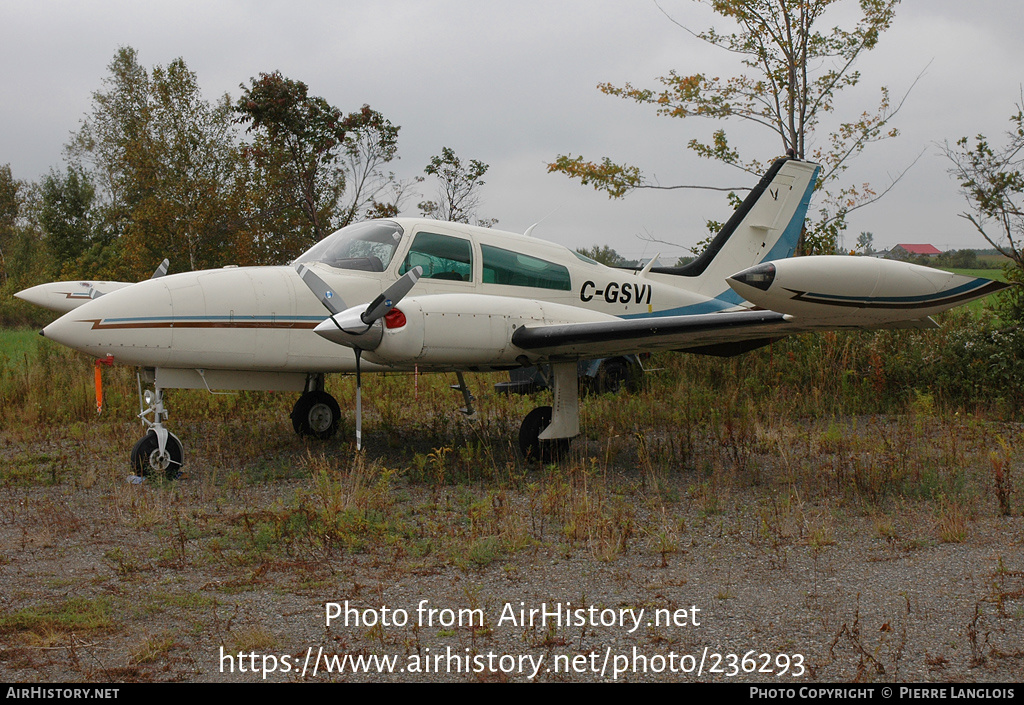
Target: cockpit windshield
(367, 246)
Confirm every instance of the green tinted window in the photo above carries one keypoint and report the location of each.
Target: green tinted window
(441, 256)
(514, 269)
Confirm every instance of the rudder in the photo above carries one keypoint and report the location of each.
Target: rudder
(766, 226)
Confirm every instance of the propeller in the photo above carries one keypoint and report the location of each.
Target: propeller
(355, 327)
(319, 287)
(162, 269)
(383, 304)
(95, 293)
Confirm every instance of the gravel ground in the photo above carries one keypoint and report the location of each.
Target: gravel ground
(808, 590)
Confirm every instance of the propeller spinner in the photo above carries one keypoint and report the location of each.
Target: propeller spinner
(357, 327)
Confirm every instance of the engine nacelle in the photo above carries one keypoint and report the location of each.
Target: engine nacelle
(860, 289)
(450, 330)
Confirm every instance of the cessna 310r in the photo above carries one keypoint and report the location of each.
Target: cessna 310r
(407, 293)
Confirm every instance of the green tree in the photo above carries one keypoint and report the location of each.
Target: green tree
(604, 254)
(458, 192)
(866, 243)
(24, 259)
(165, 162)
(11, 199)
(958, 259)
(991, 178)
(67, 214)
(793, 74)
(318, 166)
(607, 256)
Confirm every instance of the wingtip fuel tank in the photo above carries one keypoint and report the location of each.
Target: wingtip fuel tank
(862, 288)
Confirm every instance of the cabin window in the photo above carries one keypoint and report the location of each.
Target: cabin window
(584, 258)
(441, 256)
(515, 269)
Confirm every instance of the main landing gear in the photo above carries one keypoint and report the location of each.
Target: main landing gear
(159, 452)
(544, 436)
(316, 413)
(548, 430)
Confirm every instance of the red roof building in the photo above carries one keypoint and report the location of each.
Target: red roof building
(926, 250)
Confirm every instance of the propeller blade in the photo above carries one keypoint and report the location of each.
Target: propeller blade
(380, 306)
(331, 301)
(359, 403)
(162, 269)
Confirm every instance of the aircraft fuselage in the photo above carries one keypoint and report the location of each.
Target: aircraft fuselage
(262, 318)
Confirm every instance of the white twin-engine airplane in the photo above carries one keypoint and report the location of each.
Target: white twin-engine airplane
(446, 297)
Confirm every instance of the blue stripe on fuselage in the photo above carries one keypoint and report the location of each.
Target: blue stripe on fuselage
(725, 300)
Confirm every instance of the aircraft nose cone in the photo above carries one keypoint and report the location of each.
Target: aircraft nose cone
(759, 276)
(27, 295)
(132, 323)
(63, 331)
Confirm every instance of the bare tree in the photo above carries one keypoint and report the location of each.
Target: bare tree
(793, 72)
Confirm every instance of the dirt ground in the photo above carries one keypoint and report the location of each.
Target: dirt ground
(697, 575)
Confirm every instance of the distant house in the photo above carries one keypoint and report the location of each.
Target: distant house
(904, 251)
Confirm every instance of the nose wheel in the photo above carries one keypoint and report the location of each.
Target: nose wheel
(148, 459)
(159, 452)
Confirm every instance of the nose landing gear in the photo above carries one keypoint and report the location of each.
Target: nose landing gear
(159, 452)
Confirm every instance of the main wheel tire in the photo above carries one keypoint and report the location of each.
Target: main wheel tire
(146, 459)
(316, 414)
(530, 444)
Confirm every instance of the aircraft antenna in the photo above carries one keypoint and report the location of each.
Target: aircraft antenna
(650, 263)
(529, 230)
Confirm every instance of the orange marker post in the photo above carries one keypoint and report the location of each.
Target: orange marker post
(109, 362)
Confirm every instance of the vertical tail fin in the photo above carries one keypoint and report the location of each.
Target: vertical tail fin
(766, 226)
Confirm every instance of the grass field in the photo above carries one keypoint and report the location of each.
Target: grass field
(19, 344)
(851, 497)
(993, 274)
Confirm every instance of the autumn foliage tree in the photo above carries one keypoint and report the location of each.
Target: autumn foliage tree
(793, 71)
(319, 169)
(991, 178)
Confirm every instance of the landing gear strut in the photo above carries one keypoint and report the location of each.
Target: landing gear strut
(547, 430)
(159, 452)
(316, 413)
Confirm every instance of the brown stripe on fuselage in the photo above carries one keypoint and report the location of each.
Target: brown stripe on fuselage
(98, 324)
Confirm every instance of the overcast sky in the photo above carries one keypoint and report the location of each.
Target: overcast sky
(513, 84)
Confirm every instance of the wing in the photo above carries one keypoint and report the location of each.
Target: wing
(478, 332)
(623, 336)
(795, 296)
(711, 333)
